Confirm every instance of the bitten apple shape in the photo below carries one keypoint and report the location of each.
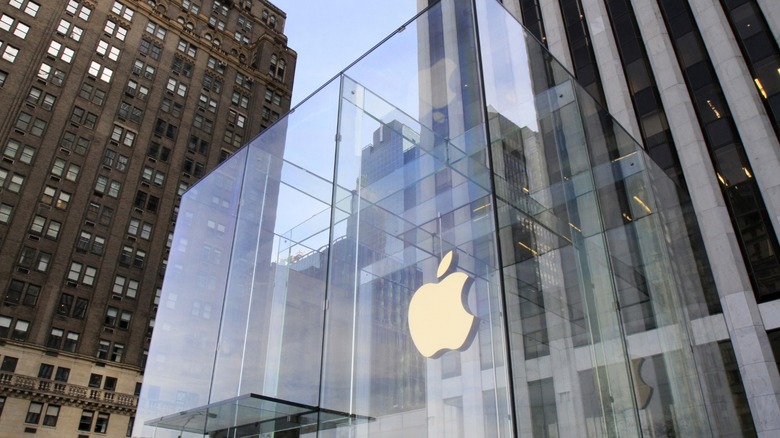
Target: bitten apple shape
(439, 319)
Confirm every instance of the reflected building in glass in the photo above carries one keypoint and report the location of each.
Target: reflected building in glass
(452, 238)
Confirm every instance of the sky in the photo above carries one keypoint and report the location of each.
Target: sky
(329, 35)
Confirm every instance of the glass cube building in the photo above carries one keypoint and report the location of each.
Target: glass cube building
(321, 281)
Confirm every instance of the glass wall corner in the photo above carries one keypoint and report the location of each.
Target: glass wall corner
(596, 265)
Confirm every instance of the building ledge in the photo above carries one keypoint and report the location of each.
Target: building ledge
(35, 388)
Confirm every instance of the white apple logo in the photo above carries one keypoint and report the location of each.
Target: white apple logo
(439, 318)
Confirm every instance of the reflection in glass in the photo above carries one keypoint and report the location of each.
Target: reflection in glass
(460, 134)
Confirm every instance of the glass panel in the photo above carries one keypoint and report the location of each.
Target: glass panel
(276, 287)
(194, 281)
(594, 252)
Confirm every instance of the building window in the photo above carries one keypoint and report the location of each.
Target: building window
(171, 107)
(7, 24)
(17, 151)
(138, 228)
(36, 96)
(158, 152)
(187, 48)
(65, 304)
(21, 292)
(65, 28)
(114, 29)
(19, 332)
(174, 86)
(107, 351)
(55, 338)
(10, 52)
(48, 228)
(56, 49)
(52, 413)
(98, 71)
(125, 286)
(80, 308)
(89, 92)
(240, 99)
(12, 182)
(105, 49)
(124, 319)
(206, 103)
(26, 122)
(141, 69)
(71, 342)
(217, 65)
(8, 364)
(203, 123)
(101, 423)
(83, 117)
(111, 315)
(56, 197)
(128, 111)
(76, 9)
(34, 413)
(3, 77)
(123, 11)
(48, 73)
(182, 67)
(85, 423)
(5, 213)
(163, 128)
(211, 83)
(232, 138)
(244, 81)
(133, 256)
(63, 169)
(79, 272)
(156, 30)
(95, 380)
(105, 186)
(71, 141)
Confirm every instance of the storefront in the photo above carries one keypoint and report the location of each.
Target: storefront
(450, 239)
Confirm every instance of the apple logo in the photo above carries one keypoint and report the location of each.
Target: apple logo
(439, 319)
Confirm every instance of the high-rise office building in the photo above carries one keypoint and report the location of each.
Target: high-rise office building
(111, 110)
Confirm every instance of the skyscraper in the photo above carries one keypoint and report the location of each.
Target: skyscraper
(112, 109)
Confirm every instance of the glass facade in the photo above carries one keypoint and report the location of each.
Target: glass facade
(450, 239)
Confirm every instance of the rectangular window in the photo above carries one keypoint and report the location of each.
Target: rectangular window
(15, 289)
(123, 11)
(10, 53)
(55, 338)
(101, 423)
(34, 413)
(71, 342)
(80, 309)
(9, 363)
(5, 329)
(20, 330)
(124, 320)
(116, 352)
(5, 213)
(111, 314)
(65, 304)
(85, 423)
(52, 413)
(103, 348)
